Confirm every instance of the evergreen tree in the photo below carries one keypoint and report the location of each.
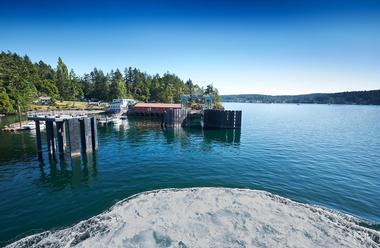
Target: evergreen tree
(190, 87)
(117, 87)
(101, 85)
(87, 86)
(74, 89)
(213, 92)
(5, 102)
(129, 81)
(63, 80)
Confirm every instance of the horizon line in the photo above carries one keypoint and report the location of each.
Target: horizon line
(313, 93)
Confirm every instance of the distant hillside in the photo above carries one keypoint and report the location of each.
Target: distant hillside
(371, 97)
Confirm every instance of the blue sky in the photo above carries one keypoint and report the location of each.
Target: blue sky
(265, 46)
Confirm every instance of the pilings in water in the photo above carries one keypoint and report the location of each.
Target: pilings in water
(212, 119)
(38, 139)
(225, 119)
(94, 134)
(61, 137)
(175, 117)
(50, 137)
(74, 137)
(85, 132)
(67, 134)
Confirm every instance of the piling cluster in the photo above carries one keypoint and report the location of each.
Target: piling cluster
(67, 135)
(211, 118)
(222, 119)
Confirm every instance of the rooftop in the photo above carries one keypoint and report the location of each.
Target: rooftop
(158, 105)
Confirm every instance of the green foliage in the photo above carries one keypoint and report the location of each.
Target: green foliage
(17, 78)
(62, 78)
(5, 102)
(101, 85)
(67, 82)
(22, 82)
(47, 87)
(117, 87)
(213, 92)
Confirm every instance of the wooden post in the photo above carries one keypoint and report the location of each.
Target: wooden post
(94, 134)
(50, 137)
(85, 134)
(19, 115)
(38, 139)
(61, 137)
(74, 136)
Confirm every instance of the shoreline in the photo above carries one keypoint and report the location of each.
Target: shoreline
(283, 103)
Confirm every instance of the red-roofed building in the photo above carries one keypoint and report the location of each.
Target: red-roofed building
(154, 108)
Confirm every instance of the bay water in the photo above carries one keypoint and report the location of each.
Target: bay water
(327, 155)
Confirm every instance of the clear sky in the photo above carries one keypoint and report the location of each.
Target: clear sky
(265, 46)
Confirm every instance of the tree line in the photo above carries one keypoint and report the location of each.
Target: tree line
(22, 82)
(371, 97)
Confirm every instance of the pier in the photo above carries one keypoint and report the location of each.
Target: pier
(66, 134)
(207, 119)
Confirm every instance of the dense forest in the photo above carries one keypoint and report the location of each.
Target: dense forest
(371, 97)
(22, 82)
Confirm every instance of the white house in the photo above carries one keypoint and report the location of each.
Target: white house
(121, 104)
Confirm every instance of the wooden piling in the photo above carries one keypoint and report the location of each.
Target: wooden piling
(38, 139)
(61, 137)
(85, 134)
(50, 137)
(74, 137)
(175, 117)
(94, 134)
(74, 134)
(222, 119)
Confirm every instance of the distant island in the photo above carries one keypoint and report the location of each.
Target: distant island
(371, 97)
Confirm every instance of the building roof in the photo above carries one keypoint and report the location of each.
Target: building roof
(157, 105)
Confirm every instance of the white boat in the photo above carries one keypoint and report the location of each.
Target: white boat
(30, 125)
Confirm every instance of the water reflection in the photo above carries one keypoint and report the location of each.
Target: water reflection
(17, 146)
(143, 128)
(74, 172)
(223, 136)
(228, 136)
(121, 125)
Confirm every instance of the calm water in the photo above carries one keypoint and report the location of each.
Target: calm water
(320, 154)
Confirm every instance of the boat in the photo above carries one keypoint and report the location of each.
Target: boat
(25, 126)
(30, 125)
